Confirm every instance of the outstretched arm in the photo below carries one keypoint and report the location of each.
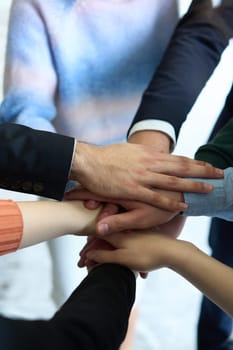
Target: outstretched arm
(139, 182)
(136, 215)
(130, 171)
(217, 203)
(27, 223)
(40, 162)
(95, 317)
(158, 250)
(191, 57)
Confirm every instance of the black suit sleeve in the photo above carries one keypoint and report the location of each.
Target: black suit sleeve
(95, 317)
(33, 161)
(193, 53)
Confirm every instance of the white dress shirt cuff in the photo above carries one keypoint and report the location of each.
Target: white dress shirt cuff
(156, 125)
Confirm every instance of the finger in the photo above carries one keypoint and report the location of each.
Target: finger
(177, 184)
(81, 262)
(82, 254)
(93, 201)
(117, 240)
(108, 209)
(90, 264)
(83, 194)
(83, 257)
(179, 159)
(130, 220)
(185, 167)
(88, 245)
(91, 204)
(95, 244)
(157, 199)
(89, 239)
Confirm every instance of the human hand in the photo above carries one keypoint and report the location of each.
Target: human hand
(87, 217)
(135, 172)
(80, 220)
(174, 227)
(171, 229)
(132, 215)
(95, 243)
(144, 251)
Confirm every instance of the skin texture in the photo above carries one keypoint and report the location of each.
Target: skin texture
(56, 219)
(172, 229)
(147, 170)
(159, 250)
(137, 190)
(124, 214)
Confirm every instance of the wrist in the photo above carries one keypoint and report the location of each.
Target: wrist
(74, 164)
(157, 139)
(81, 220)
(179, 255)
(82, 154)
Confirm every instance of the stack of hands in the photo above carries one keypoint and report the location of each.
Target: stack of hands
(138, 231)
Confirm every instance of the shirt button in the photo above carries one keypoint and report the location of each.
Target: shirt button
(38, 187)
(27, 185)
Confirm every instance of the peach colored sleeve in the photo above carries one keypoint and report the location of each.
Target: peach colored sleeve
(11, 226)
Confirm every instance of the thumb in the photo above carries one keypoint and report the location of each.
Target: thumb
(118, 222)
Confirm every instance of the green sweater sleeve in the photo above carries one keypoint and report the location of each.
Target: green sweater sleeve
(219, 151)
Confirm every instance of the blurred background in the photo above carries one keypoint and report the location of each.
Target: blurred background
(169, 306)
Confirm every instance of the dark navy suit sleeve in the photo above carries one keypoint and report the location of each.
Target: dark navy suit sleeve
(33, 161)
(95, 317)
(193, 53)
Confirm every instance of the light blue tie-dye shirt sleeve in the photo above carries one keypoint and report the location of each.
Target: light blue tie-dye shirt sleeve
(218, 203)
(30, 78)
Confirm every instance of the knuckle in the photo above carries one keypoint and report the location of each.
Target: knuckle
(172, 181)
(199, 186)
(174, 206)
(185, 168)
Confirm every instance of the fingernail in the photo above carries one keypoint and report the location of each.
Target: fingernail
(183, 206)
(103, 229)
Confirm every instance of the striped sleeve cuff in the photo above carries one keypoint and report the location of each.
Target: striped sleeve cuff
(11, 226)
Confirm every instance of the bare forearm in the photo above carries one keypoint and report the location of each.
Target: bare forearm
(44, 220)
(210, 276)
